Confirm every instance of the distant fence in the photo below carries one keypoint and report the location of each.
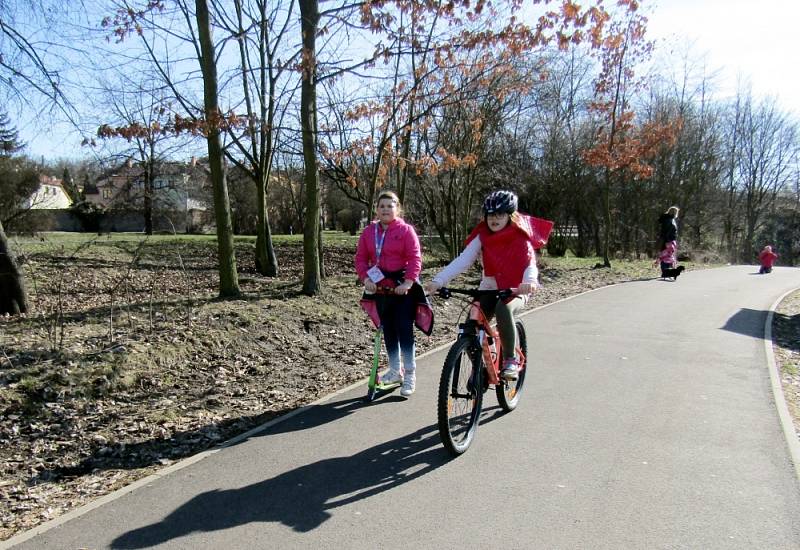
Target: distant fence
(193, 221)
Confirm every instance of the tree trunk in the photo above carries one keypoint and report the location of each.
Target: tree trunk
(266, 262)
(12, 286)
(321, 259)
(309, 17)
(607, 215)
(228, 276)
(148, 195)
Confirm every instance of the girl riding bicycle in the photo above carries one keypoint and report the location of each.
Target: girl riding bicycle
(506, 241)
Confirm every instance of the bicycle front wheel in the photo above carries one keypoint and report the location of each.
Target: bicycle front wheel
(460, 397)
(508, 392)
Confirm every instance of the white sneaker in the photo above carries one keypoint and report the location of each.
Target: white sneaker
(409, 385)
(510, 370)
(391, 376)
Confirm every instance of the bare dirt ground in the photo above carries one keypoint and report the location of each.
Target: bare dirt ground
(127, 361)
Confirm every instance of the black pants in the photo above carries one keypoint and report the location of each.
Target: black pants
(397, 317)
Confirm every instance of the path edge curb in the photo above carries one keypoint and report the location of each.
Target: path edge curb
(787, 424)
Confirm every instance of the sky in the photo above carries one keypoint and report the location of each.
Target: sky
(757, 40)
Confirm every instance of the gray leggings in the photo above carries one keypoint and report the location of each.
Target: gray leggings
(505, 321)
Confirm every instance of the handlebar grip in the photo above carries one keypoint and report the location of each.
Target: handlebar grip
(505, 293)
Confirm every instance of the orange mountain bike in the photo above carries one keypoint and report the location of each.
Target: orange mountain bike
(472, 366)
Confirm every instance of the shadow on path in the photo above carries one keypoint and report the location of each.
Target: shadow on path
(301, 498)
(749, 322)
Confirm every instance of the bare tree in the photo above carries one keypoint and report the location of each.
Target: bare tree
(312, 274)
(28, 55)
(19, 179)
(191, 29)
(766, 163)
(268, 86)
(452, 169)
(142, 113)
(229, 280)
(23, 67)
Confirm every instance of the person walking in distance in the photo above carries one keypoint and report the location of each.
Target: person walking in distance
(668, 227)
(667, 259)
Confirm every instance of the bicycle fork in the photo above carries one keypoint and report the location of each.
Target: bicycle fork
(474, 381)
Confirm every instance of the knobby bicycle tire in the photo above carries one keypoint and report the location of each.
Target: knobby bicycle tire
(508, 392)
(460, 397)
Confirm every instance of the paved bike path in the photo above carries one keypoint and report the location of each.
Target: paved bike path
(647, 422)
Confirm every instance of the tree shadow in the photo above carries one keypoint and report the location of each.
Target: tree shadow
(100, 314)
(303, 498)
(785, 331)
(154, 451)
(749, 322)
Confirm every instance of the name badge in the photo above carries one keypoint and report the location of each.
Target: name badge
(375, 274)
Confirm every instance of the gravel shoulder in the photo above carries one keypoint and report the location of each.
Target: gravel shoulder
(786, 348)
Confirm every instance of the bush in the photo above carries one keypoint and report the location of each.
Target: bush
(89, 214)
(348, 220)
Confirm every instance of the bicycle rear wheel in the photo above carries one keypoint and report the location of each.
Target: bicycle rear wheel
(508, 391)
(460, 398)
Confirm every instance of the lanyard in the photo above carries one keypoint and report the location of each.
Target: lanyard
(379, 243)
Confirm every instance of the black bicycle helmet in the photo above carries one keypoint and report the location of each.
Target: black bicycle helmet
(502, 202)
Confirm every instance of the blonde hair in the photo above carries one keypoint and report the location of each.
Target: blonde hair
(392, 196)
(673, 210)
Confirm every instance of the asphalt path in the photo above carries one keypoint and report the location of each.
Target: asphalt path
(647, 421)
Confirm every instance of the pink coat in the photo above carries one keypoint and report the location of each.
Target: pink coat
(400, 250)
(667, 256)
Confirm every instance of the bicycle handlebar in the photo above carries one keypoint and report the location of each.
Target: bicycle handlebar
(501, 294)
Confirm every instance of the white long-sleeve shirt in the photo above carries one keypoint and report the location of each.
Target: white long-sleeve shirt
(468, 256)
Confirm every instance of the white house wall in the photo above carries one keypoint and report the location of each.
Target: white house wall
(48, 197)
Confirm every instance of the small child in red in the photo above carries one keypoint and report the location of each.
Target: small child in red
(667, 257)
(766, 258)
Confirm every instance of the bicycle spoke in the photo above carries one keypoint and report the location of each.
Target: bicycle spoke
(459, 404)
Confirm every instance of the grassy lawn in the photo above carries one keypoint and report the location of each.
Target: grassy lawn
(59, 238)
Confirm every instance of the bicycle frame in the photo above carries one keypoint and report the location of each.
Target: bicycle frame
(482, 323)
(489, 334)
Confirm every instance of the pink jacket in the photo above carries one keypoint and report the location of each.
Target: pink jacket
(667, 256)
(400, 250)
